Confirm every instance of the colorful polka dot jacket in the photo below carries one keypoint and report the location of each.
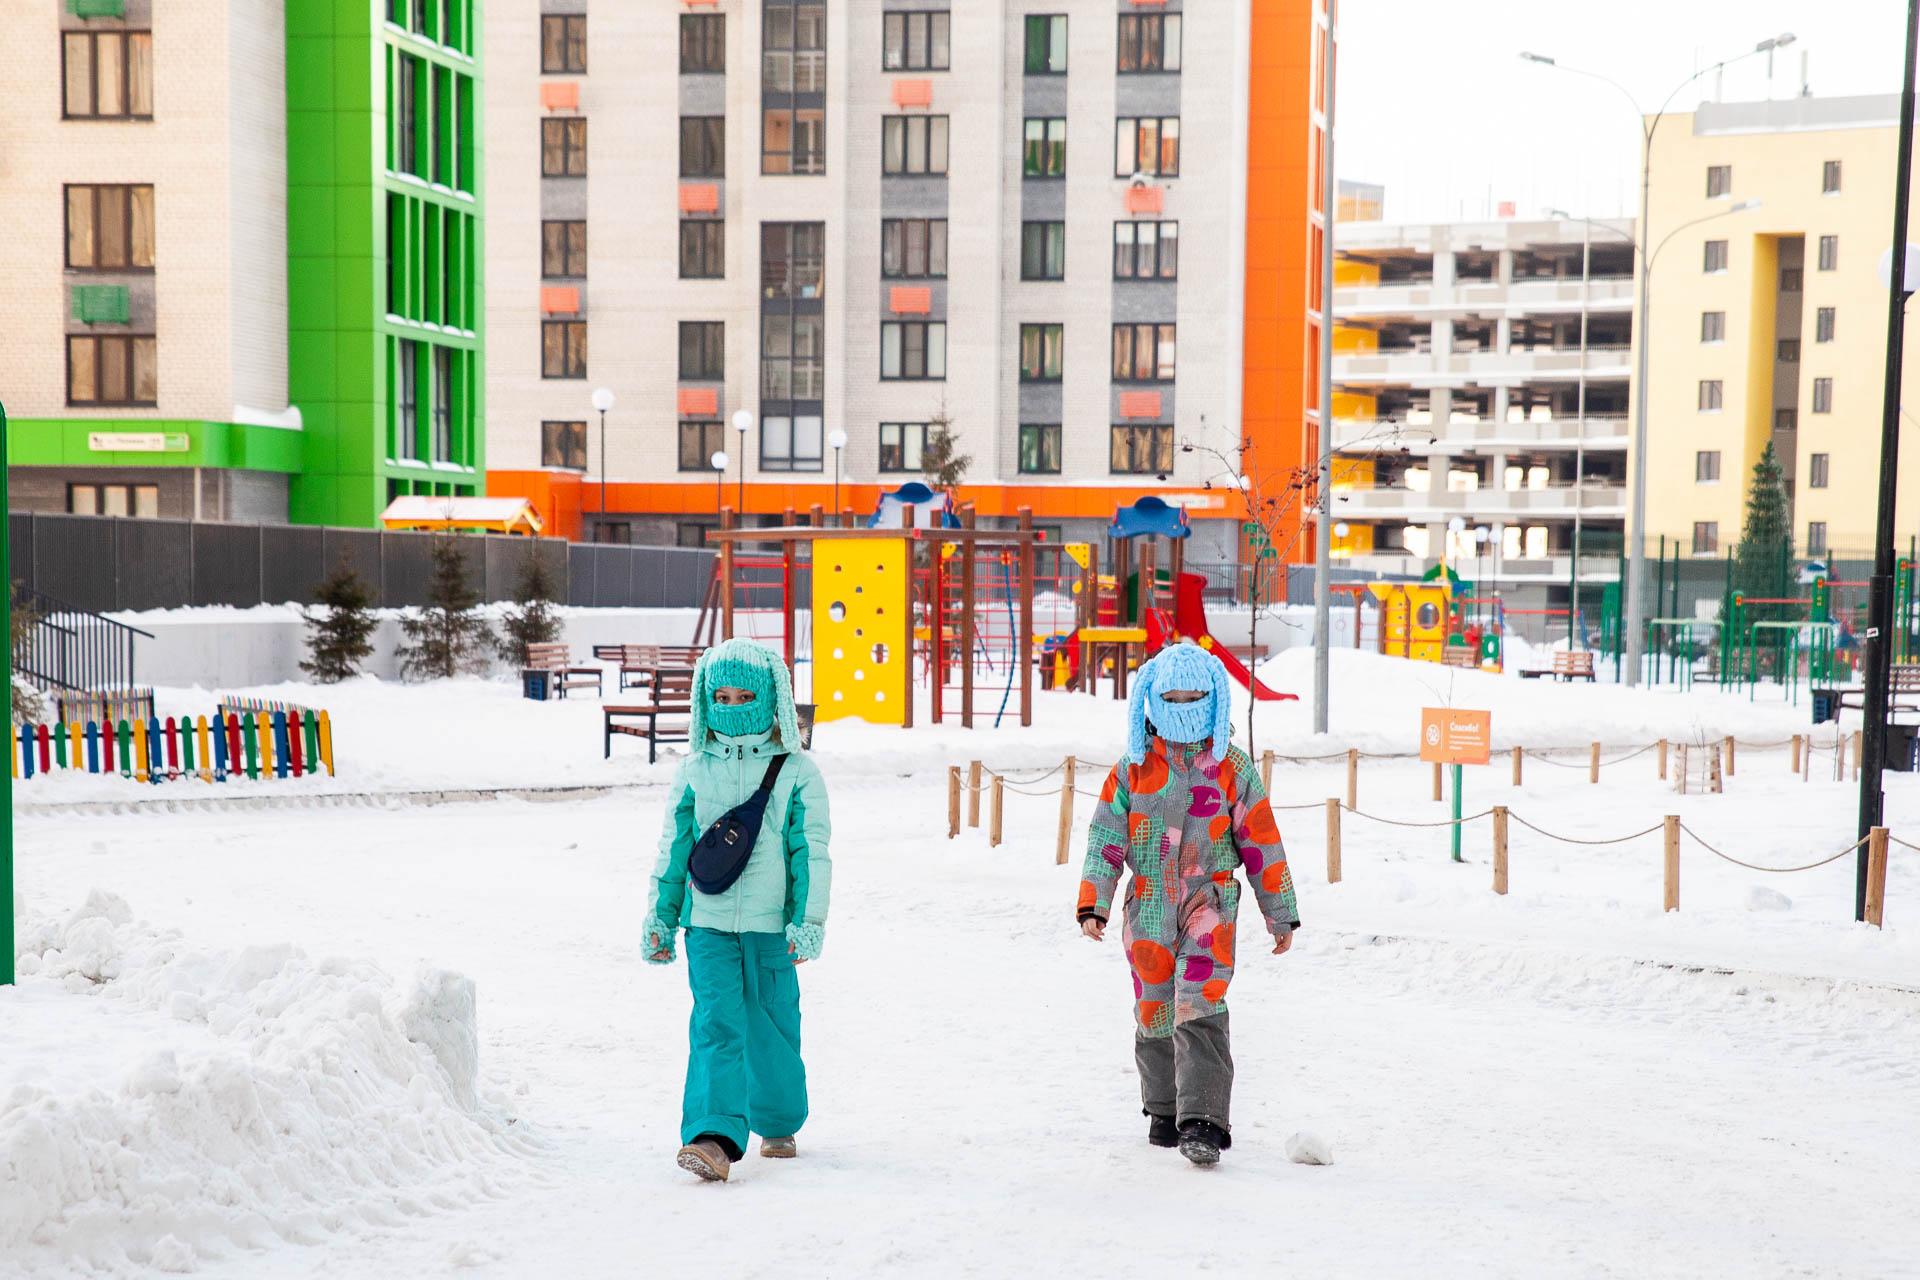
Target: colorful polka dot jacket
(1181, 822)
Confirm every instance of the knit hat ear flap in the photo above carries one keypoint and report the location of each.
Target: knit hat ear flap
(1137, 713)
(697, 728)
(1222, 708)
(786, 722)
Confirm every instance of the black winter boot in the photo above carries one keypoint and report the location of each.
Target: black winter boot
(1201, 1141)
(1161, 1131)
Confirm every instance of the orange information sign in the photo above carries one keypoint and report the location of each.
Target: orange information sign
(1451, 735)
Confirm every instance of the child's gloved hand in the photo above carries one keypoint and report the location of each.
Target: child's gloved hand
(804, 941)
(656, 944)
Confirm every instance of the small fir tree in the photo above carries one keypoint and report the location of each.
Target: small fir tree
(340, 633)
(941, 461)
(1763, 562)
(531, 620)
(27, 705)
(448, 636)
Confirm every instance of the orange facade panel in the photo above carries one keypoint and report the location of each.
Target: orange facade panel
(699, 402)
(1139, 404)
(913, 93)
(910, 300)
(560, 95)
(559, 299)
(699, 197)
(1146, 199)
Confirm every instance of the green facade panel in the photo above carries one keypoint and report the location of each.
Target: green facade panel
(67, 442)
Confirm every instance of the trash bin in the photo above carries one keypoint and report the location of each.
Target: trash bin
(1901, 742)
(536, 684)
(1826, 705)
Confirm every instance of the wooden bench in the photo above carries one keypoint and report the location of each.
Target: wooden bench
(668, 718)
(1460, 655)
(558, 661)
(1903, 693)
(1568, 664)
(634, 661)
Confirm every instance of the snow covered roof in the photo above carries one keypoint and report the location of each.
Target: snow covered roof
(499, 515)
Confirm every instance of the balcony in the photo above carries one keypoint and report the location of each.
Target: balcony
(1479, 435)
(1425, 369)
(1597, 501)
(785, 71)
(1605, 293)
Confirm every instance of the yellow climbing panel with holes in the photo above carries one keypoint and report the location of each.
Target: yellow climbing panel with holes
(862, 629)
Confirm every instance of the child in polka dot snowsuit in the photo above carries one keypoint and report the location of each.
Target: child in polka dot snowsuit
(1181, 811)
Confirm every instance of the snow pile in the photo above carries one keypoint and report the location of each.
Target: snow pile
(164, 1106)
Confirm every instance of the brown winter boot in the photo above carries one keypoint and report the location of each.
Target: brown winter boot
(705, 1159)
(779, 1148)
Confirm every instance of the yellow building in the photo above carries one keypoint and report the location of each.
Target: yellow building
(1769, 323)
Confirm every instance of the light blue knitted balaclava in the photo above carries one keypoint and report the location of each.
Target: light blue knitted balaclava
(741, 664)
(1180, 666)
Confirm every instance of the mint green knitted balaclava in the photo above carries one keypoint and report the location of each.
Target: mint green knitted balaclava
(739, 672)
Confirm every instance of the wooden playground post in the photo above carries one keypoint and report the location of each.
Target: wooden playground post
(953, 801)
(1876, 876)
(1333, 840)
(1266, 771)
(906, 637)
(1066, 814)
(1516, 766)
(973, 793)
(1024, 642)
(1661, 755)
(846, 517)
(936, 627)
(993, 814)
(1436, 780)
(1500, 848)
(726, 577)
(788, 550)
(1593, 764)
(816, 516)
(1671, 827)
(967, 570)
(1353, 778)
(1728, 768)
(1796, 753)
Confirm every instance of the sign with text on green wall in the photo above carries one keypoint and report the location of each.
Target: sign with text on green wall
(138, 441)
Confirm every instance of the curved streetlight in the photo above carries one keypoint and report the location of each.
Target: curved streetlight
(838, 439)
(603, 401)
(1637, 539)
(719, 461)
(743, 423)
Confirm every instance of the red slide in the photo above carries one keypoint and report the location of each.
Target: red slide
(1190, 623)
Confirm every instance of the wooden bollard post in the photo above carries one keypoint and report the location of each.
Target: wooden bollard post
(1066, 814)
(1661, 755)
(1796, 753)
(1681, 770)
(973, 793)
(993, 814)
(1353, 778)
(1728, 770)
(1333, 840)
(1436, 780)
(1876, 876)
(1266, 771)
(1713, 773)
(1672, 829)
(1500, 848)
(1856, 756)
(953, 801)
(1516, 766)
(1593, 764)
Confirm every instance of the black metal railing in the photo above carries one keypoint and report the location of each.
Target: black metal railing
(69, 650)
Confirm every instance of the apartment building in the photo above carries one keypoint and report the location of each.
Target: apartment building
(1481, 391)
(203, 318)
(861, 221)
(1769, 323)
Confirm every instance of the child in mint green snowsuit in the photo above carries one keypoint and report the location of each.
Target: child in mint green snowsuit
(744, 1071)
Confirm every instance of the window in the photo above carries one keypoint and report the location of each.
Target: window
(1823, 395)
(1706, 466)
(1143, 352)
(901, 445)
(913, 144)
(563, 148)
(563, 348)
(1146, 250)
(116, 369)
(703, 43)
(792, 357)
(563, 444)
(406, 395)
(1817, 470)
(1713, 326)
(1709, 399)
(793, 141)
(692, 533)
(1790, 281)
(406, 117)
(1719, 181)
(110, 228)
(442, 92)
(703, 146)
(1043, 251)
(563, 42)
(703, 249)
(442, 404)
(1136, 449)
(913, 248)
(792, 259)
(1716, 259)
(1830, 178)
(563, 250)
(1045, 153)
(107, 75)
(699, 441)
(1823, 324)
(1041, 352)
(142, 500)
(1149, 42)
(1040, 448)
(1046, 44)
(1789, 351)
(1706, 537)
(702, 350)
(916, 41)
(794, 41)
(790, 443)
(1816, 537)
(913, 349)
(1786, 419)
(1148, 146)
(1829, 252)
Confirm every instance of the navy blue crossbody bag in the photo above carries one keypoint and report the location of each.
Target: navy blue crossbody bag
(721, 853)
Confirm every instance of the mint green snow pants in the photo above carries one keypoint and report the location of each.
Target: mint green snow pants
(744, 1073)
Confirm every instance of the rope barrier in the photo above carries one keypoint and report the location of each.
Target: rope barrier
(1694, 836)
(1543, 758)
(1576, 839)
(1396, 822)
(1893, 839)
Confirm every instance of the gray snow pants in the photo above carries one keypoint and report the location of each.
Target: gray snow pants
(1189, 1074)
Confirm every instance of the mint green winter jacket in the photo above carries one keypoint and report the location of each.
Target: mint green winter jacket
(789, 873)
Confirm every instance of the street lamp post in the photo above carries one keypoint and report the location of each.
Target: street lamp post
(603, 401)
(1637, 540)
(743, 423)
(838, 439)
(719, 461)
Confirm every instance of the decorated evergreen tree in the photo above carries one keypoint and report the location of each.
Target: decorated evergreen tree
(448, 636)
(340, 634)
(941, 461)
(531, 620)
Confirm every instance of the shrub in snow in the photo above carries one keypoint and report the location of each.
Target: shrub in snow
(340, 637)
(449, 636)
(530, 620)
(26, 699)
(1761, 898)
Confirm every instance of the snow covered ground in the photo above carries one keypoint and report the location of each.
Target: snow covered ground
(267, 1061)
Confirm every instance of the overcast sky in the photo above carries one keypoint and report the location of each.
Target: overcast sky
(1436, 105)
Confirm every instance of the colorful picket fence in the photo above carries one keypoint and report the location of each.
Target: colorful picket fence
(228, 747)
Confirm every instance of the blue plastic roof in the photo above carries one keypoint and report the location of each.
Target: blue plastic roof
(929, 509)
(1152, 516)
